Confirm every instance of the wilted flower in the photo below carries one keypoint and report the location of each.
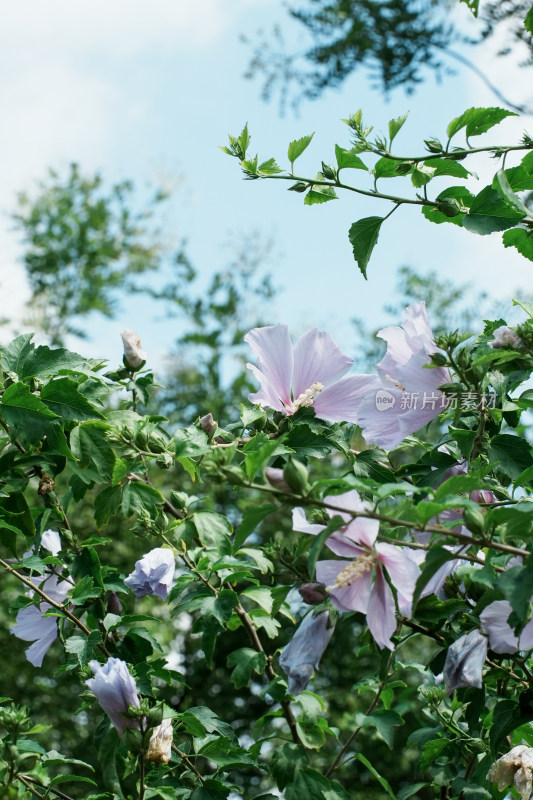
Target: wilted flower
(160, 745)
(514, 767)
(31, 624)
(404, 397)
(505, 337)
(312, 373)
(360, 584)
(115, 690)
(153, 573)
(134, 355)
(464, 662)
(502, 638)
(302, 654)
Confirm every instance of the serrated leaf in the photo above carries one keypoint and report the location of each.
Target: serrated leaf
(319, 194)
(90, 445)
(269, 167)
(25, 413)
(421, 174)
(512, 453)
(106, 504)
(521, 239)
(297, 147)
(528, 21)
(138, 497)
(83, 646)
(63, 397)
(478, 120)
(348, 159)
(505, 189)
(395, 126)
(363, 236)
(245, 661)
(489, 212)
(388, 168)
(84, 590)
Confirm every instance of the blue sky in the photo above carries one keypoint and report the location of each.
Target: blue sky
(149, 91)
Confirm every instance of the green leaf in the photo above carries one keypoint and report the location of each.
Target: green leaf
(447, 166)
(478, 120)
(528, 21)
(297, 147)
(490, 212)
(319, 194)
(512, 453)
(395, 126)
(25, 413)
(432, 750)
(421, 174)
(269, 167)
(211, 789)
(252, 516)
(515, 583)
(504, 186)
(262, 619)
(191, 442)
(388, 168)
(259, 450)
(106, 504)
(200, 719)
(385, 721)
(90, 445)
(83, 646)
(308, 784)
(64, 399)
(138, 497)
(107, 751)
(521, 239)
(473, 5)
(363, 236)
(373, 771)
(213, 530)
(348, 159)
(245, 661)
(260, 595)
(14, 355)
(84, 590)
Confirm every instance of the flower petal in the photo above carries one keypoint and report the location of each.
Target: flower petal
(494, 621)
(317, 359)
(350, 598)
(340, 401)
(403, 570)
(301, 525)
(381, 614)
(273, 349)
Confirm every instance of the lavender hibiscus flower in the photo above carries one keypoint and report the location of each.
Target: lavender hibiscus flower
(312, 373)
(153, 573)
(301, 655)
(31, 625)
(405, 396)
(115, 690)
(360, 584)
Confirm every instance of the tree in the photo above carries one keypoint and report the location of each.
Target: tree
(398, 41)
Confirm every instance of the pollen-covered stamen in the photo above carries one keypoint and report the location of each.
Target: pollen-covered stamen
(305, 399)
(355, 570)
(396, 383)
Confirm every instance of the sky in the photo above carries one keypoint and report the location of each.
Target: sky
(149, 91)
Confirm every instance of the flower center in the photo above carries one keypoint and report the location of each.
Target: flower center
(355, 570)
(305, 400)
(395, 382)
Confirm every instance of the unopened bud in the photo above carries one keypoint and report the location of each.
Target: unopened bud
(164, 461)
(433, 145)
(275, 478)
(474, 520)
(438, 360)
(208, 424)
(298, 187)
(297, 476)
(449, 206)
(329, 172)
(313, 593)
(114, 606)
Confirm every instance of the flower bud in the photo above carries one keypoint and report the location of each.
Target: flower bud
(275, 478)
(208, 424)
(433, 145)
(313, 593)
(449, 206)
(298, 187)
(297, 476)
(328, 172)
(474, 520)
(114, 606)
(134, 355)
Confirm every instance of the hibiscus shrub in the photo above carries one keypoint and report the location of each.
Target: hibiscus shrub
(353, 566)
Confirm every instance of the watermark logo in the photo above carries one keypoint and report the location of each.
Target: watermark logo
(384, 400)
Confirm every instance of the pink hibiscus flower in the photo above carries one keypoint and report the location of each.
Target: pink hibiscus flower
(405, 396)
(360, 584)
(312, 373)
